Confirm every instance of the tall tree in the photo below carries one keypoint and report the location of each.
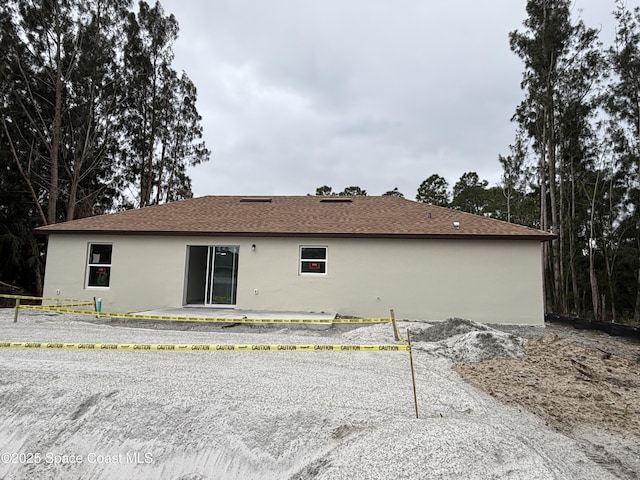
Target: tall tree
(434, 190)
(91, 106)
(60, 98)
(76, 75)
(470, 194)
(516, 181)
(160, 121)
(560, 59)
(623, 106)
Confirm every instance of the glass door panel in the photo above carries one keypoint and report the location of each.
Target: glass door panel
(212, 277)
(223, 275)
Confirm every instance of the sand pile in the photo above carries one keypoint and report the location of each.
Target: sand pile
(465, 341)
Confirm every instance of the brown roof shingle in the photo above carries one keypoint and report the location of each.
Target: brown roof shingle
(377, 217)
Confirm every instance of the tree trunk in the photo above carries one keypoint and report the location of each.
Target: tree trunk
(37, 272)
(544, 225)
(572, 246)
(57, 126)
(612, 300)
(80, 155)
(593, 280)
(574, 276)
(636, 310)
(553, 200)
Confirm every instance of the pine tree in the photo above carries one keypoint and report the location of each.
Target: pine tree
(561, 66)
(160, 122)
(434, 190)
(90, 108)
(623, 106)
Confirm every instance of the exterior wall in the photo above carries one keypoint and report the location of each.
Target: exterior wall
(146, 272)
(485, 281)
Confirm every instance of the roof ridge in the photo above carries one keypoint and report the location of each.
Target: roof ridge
(282, 215)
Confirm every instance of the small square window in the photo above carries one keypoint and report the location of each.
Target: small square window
(99, 265)
(313, 260)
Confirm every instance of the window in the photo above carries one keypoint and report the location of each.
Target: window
(313, 260)
(99, 265)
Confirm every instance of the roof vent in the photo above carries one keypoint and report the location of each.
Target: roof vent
(256, 200)
(335, 200)
(456, 225)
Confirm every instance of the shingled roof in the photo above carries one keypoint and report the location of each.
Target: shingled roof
(372, 217)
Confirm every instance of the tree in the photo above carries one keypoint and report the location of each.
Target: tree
(393, 193)
(160, 122)
(470, 194)
(59, 94)
(517, 176)
(56, 87)
(562, 65)
(324, 191)
(76, 75)
(434, 190)
(353, 191)
(20, 261)
(623, 106)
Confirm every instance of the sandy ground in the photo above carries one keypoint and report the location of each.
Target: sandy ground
(585, 384)
(267, 415)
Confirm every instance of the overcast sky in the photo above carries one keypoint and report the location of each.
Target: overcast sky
(296, 94)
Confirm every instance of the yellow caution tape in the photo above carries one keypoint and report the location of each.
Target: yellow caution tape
(53, 299)
(203, 347)
(140, 316)
(66, 305)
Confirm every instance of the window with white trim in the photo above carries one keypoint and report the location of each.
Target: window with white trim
(313, 260)
(99, 265)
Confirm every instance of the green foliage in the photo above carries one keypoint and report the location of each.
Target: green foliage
(353, 192)
(159, 118)
(434, 190)
(324, 191)
(94, 118)
(393, 193)
(327, 191)
(470, 194)
(577, 153)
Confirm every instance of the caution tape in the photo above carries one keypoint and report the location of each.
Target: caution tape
(140, 316)
(66, 305)
(202, 347)
(52, 299)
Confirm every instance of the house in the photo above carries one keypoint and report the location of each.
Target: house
(357, 256)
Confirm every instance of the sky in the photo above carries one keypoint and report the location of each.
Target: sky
(297, 94)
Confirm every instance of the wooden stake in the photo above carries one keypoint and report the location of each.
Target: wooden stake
(413, 374)
(15, 314)
(395, 326)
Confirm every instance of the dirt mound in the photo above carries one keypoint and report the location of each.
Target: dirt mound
(443, 330)
(586, 391)
(478, 346)
(465, 341)
(565, 383)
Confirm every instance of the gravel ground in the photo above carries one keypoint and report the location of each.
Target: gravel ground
(260, 415)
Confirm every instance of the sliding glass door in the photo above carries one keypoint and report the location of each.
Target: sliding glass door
(212, 275)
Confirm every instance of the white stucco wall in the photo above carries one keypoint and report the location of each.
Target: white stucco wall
(486, 281)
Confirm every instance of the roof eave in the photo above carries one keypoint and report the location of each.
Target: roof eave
(543, 237)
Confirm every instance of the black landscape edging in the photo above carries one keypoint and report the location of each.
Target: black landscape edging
(613, 329)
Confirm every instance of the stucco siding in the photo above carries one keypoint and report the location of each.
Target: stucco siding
(145, 272)
(487, 281)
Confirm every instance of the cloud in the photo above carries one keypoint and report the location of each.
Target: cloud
(298, 94)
